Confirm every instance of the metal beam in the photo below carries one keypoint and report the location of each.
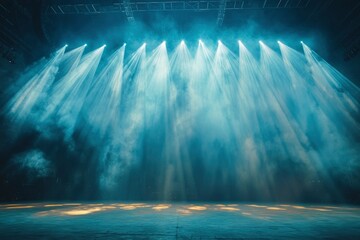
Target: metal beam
(128, 11)
(221, 13)
(129, 7)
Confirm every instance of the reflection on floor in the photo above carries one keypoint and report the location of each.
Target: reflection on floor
(177, 221)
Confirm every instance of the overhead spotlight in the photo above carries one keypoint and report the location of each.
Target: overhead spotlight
(200, 42)
(279, 42)
(124, 44)
(104, 45)
(144, 44)
(301, 42)
(182, 42)
(66, 45)
(85, 44)
(239, 41)
(164, 42)
(219, 42)
(260, 42)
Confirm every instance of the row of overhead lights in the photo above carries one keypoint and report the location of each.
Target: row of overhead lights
(200, 42)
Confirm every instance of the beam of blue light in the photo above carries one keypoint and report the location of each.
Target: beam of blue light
(69, 93)
(232, 119)
(21, 105)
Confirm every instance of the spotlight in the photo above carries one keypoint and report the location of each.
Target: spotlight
(200, 42)
(164, 42)
(219, 42)
(239, 41)
(104, 45)
(66, 45)
(301, 42)
(260, 42)
(144, 44)
(85, 44)
(279, 42)
(124, 44)
(182, 42)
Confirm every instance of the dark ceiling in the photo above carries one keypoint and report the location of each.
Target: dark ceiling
(32, 29)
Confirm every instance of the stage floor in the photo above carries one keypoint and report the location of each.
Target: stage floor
(177, 221)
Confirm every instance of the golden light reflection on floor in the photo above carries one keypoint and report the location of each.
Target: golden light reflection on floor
(256, 206)
(229, 208)
(299, 207)
(76, 212)
(183, 211)
(20, 207)
(321, 209)
(54, 205)
(197, 208)
(249, 210)
(275, 208)
(160, 207)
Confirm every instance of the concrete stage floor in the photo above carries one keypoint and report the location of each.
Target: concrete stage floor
(177, 221)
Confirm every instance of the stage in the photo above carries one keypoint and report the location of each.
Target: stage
(149, 220)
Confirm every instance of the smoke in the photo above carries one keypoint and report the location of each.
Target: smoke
(172, 121)
(34, 163)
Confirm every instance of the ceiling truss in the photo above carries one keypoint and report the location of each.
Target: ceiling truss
(127, 6)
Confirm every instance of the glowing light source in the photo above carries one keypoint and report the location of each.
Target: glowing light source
(182, 42)
(261, 42)
(219, 42)
(279, 42)
(104, 45)
(66, 45)
(301, 42)
(85, 44)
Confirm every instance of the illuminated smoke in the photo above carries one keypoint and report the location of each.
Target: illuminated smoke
(196, 124)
